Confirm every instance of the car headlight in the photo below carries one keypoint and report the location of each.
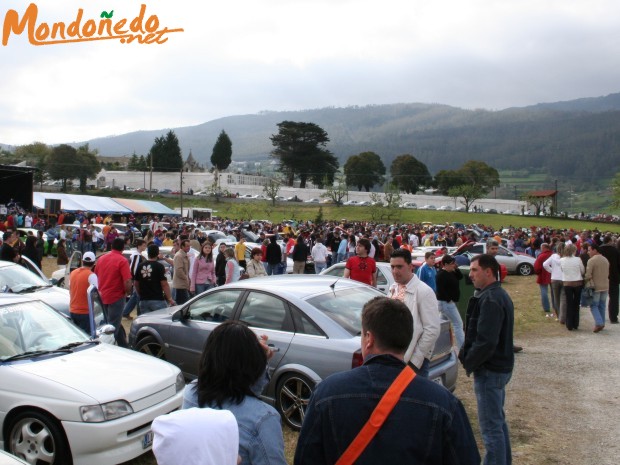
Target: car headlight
(105, 412)
(180, 382)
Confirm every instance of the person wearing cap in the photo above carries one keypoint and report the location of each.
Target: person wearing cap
(80, 280)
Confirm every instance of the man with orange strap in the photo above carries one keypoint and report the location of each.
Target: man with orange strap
(424, 422)
(80, 280)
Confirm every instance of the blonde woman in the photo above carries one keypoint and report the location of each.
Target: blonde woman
(572, 280)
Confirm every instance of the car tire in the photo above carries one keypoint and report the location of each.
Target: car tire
(149, 345)
(525, 269)
(36, 437)
(292, 397)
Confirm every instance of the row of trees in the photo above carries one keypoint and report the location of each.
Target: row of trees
(62, 162)
(301, 151)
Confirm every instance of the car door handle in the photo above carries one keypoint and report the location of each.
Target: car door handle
(273, 348)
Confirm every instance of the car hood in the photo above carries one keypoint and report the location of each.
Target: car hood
(103, 372)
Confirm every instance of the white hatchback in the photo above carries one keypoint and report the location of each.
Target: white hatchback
(68, 399)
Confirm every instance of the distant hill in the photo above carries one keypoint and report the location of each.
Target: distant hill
(561, 138)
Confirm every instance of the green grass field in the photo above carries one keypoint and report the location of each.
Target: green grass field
(247, 210)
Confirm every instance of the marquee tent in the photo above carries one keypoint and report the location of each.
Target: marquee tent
(91, 203)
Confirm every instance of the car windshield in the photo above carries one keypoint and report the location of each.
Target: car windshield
(35, 328)
(344, 306)
(19, 280)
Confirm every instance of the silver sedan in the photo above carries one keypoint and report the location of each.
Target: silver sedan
(312, 322)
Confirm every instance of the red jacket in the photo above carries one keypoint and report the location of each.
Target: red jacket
(543, 276)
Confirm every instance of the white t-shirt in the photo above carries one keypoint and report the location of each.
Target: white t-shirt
(196, 436)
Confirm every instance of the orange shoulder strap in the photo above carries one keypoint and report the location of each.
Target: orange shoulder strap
(378, 417)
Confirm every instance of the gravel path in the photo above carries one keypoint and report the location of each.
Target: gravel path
(563, 402)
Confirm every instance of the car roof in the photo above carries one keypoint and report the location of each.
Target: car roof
(300, 286)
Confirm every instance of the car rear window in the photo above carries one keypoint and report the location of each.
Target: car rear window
(345, 306)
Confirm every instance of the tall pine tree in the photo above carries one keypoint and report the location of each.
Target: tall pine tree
(166, 153)
(222, 152)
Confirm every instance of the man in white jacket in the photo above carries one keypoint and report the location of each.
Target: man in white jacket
(422, 302)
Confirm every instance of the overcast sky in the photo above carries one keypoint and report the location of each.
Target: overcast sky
(243, 56)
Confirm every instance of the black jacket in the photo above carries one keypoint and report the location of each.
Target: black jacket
(300, 252)
(613, 257)
(273, 253)
(489, 326)
(448, 285)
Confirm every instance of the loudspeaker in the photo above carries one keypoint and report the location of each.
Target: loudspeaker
(52, 206)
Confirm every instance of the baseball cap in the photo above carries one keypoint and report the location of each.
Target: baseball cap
(89, 257)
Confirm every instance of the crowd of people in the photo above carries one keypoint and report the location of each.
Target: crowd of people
(426, 422)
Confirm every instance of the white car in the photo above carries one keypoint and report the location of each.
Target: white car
(445, 208)
(314, 200)
(411, 205)
(351, 202)
(428, 207)
(68, 399)
(16, 279)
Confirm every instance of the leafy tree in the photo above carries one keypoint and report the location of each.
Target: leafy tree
(364, 170)
(222, 152)
(134, 163)
(319, 216)
(409, 174)
(86, 166)
(142, 164)
(336, 191)
(271, 190)
(447, 179)
(479, 174)
(166, 153)
(469, 194)
(60, 164)
(36, 155)
(300, 149)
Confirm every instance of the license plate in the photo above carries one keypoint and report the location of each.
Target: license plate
(147, 440)
(438, 381)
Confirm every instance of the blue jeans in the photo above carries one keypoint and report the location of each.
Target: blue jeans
(115, 315)
(133, 301)
(271, 269)
(544, 297)
(490, 389)
(147, 306)
(599, 305)
(318, 267)
(200, 288)
(450, 311)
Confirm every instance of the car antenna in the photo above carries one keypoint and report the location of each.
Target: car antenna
(333, 286)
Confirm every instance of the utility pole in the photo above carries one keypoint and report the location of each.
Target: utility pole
(151, 176)
(181, 190)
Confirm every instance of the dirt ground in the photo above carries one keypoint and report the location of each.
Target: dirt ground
(562, 403)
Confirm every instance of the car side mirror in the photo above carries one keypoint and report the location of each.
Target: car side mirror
(179, 315)
(105, 329)
(53, 281)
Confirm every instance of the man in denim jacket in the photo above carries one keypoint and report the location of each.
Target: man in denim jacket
(488, 354)
(427, 426)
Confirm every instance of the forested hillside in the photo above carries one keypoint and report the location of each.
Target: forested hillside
(563, 138)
